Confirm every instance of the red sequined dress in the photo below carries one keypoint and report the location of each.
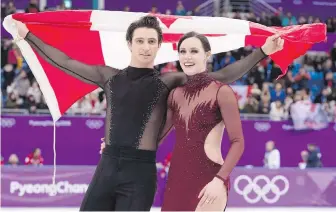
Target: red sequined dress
(199, 111)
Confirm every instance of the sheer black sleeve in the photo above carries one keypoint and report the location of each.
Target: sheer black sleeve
(174, 79)
(88, 73)
(169, 125)
(238, 69)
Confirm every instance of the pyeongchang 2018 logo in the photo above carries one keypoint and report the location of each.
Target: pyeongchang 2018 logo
(262, 126)
(94, 124)
(261, 188)
(61, 187)
(7, 122)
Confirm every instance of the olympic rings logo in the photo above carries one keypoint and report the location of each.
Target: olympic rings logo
(7, 122)
(94, 124)
(262, 126)
(261, 192)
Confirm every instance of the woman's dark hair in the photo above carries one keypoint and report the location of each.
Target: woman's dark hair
(144, 22)
(204, 40)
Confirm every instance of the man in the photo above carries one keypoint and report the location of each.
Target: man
(125, 178)
(314, 157)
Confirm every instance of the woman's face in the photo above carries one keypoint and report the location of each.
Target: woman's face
(192, 56)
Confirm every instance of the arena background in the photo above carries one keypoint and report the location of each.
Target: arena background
(293, 112)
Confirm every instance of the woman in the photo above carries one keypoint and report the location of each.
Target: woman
(198, 178)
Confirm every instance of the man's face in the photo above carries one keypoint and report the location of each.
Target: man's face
(144, 46)
(311, 148)
(37, 153)
(269, 146)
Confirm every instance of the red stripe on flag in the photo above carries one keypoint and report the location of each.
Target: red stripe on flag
(82, 45)
(64, 18)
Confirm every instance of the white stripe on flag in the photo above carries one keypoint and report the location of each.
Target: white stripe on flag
(210, 25)
(118, 21)
(113, 45)
(36, 68)
(166, 54)
(226, 43)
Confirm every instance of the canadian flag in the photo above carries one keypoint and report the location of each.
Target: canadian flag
(242, 93)
(98, 37)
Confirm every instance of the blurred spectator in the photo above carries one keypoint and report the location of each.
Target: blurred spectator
(154, 10)
(290, 92)
(310, 20)
(329, 80)
(169, 67)
(272, 156)
(278, 93)
(264, 19)
(7, 75)
(302, 78)
(126, 9)
(89, 104)
(273, 72)
(32, 7)
(305, 93)
(61, 6)
(2, 161)
(35, 92)
(288, 102)
(333, 54)
(197, 11)
(34, 158)
(323, 97)
(304, 157)
(13, 160)
(255, 91)
(297, 97)
(314, 156)
(275, 20)
(277, 112)
(289, 80)
(251, 106)
(302, 20)
(12, 101)
(6, 46)
(288, 20)
(255, 76)
(264, 107)
(251, 17)
(164, 167)
(7, 9)
(20, 85)
(330, 25)
(180, 10)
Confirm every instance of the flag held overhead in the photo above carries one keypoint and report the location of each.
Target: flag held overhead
(99, 38)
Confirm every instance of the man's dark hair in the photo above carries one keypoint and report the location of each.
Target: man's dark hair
(144, 22)
(204, 40)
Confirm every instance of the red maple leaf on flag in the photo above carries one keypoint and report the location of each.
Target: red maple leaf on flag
(173, 38)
